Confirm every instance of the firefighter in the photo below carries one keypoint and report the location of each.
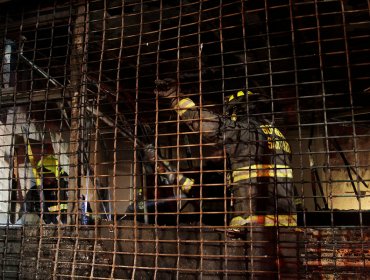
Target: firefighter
(51, 194)
(261, 175)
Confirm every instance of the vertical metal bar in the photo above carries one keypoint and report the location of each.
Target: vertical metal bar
(272, 117)
(156, 131)
(323, 88)
(115, 144)
(200, 49)
(97, 108)
(299, 125)
(52, 81)
(136, 146)
(23, 238)
(176, 191)
(225, 171)
(6, 252)
(248, 243)
(32, 86)
(354, 134)
(296, 89)
(326, 123)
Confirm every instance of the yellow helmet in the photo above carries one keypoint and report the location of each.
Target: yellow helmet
(49, 164)
(239, 94)
(242, 102)
(235, 103)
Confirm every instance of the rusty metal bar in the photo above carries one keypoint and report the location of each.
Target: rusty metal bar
(126, 151)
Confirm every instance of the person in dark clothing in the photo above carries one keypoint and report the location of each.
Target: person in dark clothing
(261, 175)
(51, 194)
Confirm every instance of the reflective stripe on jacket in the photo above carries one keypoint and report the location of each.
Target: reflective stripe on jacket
(262, 170)
(185, 183)
(266, 220)
(58, 207)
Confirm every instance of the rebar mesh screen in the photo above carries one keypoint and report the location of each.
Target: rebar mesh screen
(184, 139)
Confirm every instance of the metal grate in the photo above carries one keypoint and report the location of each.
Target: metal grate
(184, 139)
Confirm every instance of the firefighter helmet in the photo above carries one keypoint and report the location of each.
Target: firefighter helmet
(241, 102)
(49, 164)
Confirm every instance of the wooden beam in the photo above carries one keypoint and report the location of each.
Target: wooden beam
(11, 97)
(78, 76)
